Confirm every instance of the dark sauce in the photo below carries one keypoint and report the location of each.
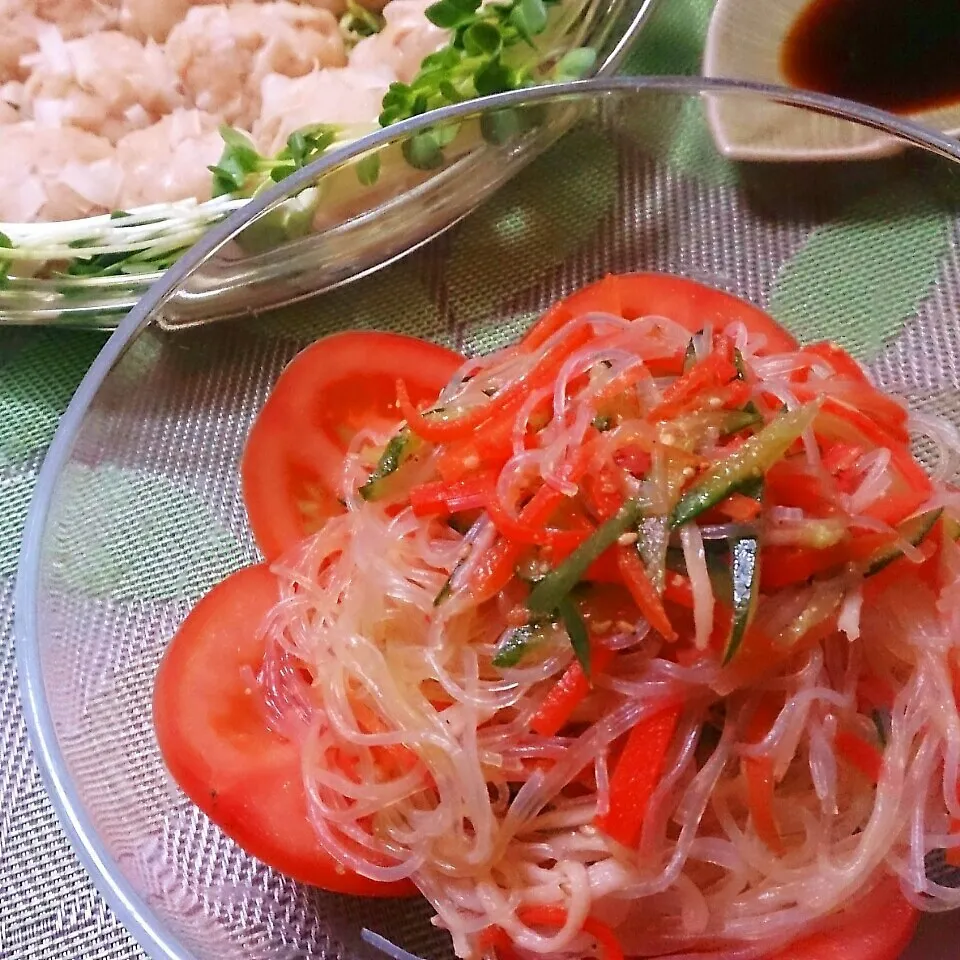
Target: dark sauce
(899, 55)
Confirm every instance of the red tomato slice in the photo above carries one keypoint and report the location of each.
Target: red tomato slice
(839, 360)
(877, 928)
(216, 744)
(328, 393)
(687, 302)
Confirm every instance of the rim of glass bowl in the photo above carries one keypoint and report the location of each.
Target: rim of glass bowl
(100, 308)
(128, 906)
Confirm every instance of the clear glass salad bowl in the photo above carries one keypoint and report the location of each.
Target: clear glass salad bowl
(47, 283)
(138, 508)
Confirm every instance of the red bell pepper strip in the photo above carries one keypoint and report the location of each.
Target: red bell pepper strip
(758, 773)
(544, 372)
(497, 939)
(568, 693)
(910, 486)
(497, 568)
(740, 508)
(874, 691)
(864, 756)
(840, 457)
(643, 591)
(637, 774)
(439, 498)
(736, 395)
(716, 370)
(953, 853)
(519, 530)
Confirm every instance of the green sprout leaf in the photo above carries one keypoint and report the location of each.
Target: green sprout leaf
(447, 15)
(575, 64)
(482, 39)
(423, 151)
(493, 77)
(500, 126)
(368, 169)
(530, 18)
(5, 244)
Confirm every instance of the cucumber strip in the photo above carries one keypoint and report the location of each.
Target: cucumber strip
(398, 450)
(914, 531)
(951, 528)
(825, 600)
(718, 569)
(517, 644)
(745, 590)
(576, 631)
(736, 420)
(652, 541)
(547, 595)
(749, 463)
(741, 365)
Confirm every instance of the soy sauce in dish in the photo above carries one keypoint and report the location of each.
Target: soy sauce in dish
(899, 55)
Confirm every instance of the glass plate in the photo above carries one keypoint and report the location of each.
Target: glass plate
(138, 508)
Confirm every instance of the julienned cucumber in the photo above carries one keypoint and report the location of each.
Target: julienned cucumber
(914, 531)
(744, 584)
(518, 643)
(749, 463)
(547, 595)
(401, 447)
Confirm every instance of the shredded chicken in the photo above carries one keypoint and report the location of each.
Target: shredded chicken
(117, 103)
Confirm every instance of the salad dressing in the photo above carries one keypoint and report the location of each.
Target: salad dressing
(898, 55)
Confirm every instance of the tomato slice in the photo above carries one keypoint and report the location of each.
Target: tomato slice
(879, 927)
(687, 302)
(217, 746)
(329, 392)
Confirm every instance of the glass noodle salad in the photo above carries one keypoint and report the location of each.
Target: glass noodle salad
(638, 637)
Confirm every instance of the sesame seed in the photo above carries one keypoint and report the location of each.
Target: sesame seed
(627, 539)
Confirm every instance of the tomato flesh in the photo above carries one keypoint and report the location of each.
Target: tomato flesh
(333, 389)
(691, 304)
(214, 738)
(878, 928)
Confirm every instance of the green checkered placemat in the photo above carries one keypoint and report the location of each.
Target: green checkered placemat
(48, 908)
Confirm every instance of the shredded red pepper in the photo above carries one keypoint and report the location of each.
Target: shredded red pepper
(440, 431)
(439, 498)
(643, 592)
(716, 370)
(568, 693)
(759, 775)
(637, 774)
(861, 755)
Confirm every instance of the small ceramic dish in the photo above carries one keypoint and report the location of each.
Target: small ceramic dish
(744, 41)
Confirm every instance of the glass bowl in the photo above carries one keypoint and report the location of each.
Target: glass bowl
(321, 251)
(138, 509)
